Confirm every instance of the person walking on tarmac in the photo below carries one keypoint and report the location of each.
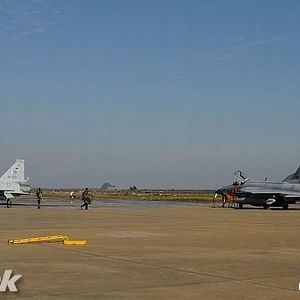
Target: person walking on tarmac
(39, 195)
(224, 200)
(85, 197)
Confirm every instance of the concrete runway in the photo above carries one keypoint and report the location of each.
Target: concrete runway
(158, 252)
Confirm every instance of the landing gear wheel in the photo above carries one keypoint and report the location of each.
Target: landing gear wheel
(266, 206)
(285, 206)
(240, 205)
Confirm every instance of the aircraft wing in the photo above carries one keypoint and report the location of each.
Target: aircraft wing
(260, 191)
(2, 190)
(291, 195)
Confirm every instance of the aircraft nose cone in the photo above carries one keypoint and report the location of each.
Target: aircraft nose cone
(225, 190)
(220, 191)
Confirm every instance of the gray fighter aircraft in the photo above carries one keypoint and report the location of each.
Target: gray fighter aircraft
(263, 193)
(13, 182)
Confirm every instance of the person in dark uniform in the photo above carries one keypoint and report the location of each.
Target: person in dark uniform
(86, 199)
(224, 200)
(39, 195)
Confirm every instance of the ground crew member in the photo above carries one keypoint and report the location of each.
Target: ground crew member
(85, 197)
(39, 195)
(224, 200)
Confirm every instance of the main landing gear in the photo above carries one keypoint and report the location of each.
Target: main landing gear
(8, 203)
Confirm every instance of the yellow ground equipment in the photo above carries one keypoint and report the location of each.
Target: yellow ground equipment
(49, 239)
(74, 242)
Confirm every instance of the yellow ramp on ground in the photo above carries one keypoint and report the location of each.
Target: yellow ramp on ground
(50, 238)
(75, 242)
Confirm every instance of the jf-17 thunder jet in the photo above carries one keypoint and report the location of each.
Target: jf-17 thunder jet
(13, 182)
(263, 193)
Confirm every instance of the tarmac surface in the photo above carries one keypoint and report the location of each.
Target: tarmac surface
(153, 251)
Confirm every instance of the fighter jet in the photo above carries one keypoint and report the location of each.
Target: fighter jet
(13, 182)
(263, 193)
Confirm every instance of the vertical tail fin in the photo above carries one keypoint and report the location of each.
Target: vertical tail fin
(16, 172)
(295, 177)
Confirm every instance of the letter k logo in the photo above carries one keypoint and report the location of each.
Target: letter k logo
(7, 282)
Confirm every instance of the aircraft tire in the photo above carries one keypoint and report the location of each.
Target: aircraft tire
(266, 206)
(240, 205)
(285, 206)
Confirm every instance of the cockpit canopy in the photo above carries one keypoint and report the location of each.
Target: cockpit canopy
(241, 177)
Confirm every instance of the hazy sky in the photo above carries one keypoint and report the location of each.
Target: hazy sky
(165, 94)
